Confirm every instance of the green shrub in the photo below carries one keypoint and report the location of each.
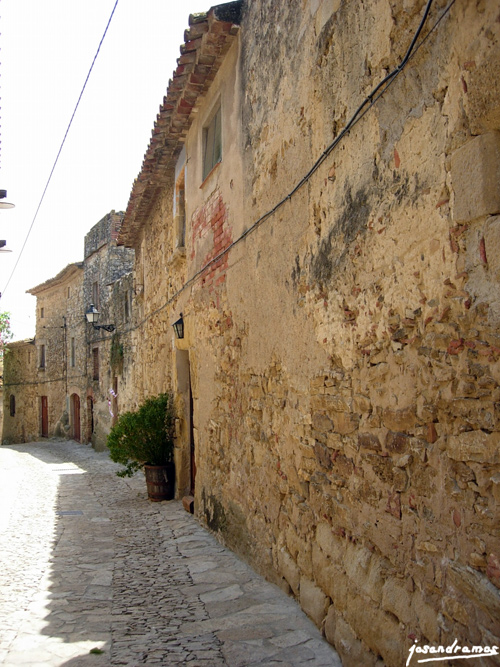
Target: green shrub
(145, 436)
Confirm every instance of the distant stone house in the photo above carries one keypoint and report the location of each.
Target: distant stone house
(107, 286)
(66, 382)
(337, 273)
(20, 416)
(60, 360)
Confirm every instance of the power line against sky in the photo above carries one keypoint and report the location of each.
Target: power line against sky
(46, 51)
(59, 151)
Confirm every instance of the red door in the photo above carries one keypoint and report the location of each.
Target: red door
(75, 405)
(45, 417)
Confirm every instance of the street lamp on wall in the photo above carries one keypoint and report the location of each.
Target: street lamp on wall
(92, 316)
(4, 204)
(179, 327)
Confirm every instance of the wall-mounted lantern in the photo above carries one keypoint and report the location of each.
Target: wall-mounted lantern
(92, 316)
(5, 204)
(179, 327)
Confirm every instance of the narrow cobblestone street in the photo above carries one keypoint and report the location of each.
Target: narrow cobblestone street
(92, 573)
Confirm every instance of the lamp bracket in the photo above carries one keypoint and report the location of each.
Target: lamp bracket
(106, 327)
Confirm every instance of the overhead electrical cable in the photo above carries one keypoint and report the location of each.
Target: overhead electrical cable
(360, 112)
(60, 148)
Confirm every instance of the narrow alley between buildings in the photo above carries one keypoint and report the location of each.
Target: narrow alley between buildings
(92, 573)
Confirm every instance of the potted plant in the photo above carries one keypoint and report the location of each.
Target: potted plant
(145, 439)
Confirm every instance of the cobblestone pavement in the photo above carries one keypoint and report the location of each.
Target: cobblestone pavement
(92, 573)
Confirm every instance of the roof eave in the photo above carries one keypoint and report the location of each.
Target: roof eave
(206, 42)
(67, 273)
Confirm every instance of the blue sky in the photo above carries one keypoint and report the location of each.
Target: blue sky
(47, 49)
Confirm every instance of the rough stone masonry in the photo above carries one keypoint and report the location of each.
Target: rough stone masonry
(339, 375)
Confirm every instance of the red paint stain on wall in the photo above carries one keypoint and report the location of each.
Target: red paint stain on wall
(212, 219)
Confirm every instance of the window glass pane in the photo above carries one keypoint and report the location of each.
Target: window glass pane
(209, 145)
(182, 219)
(217, 154)
(212, 148)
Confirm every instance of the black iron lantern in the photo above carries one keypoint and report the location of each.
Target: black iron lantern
(4, 204)
(92, 316)
(179, 327)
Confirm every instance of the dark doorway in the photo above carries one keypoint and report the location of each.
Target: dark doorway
(75, 417)
(45, 416)
(191, 435)
(186, 476)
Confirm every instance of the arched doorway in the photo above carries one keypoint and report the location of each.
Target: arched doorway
(75, 417)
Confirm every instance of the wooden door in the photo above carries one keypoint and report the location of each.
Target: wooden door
(45, 416)
(75, 404)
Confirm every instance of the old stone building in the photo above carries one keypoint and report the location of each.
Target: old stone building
(320, 201)
(20, 416)
(108, 287)
(59, 367)
(66, 382)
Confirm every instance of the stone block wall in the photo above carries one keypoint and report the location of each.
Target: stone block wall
(59, 318)
(211, 236)
(78, 405)
(104, 261)
(113, 392)
(349, 444)
(108, 285)
(103, 232)
(344, 356)
(20, 413)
